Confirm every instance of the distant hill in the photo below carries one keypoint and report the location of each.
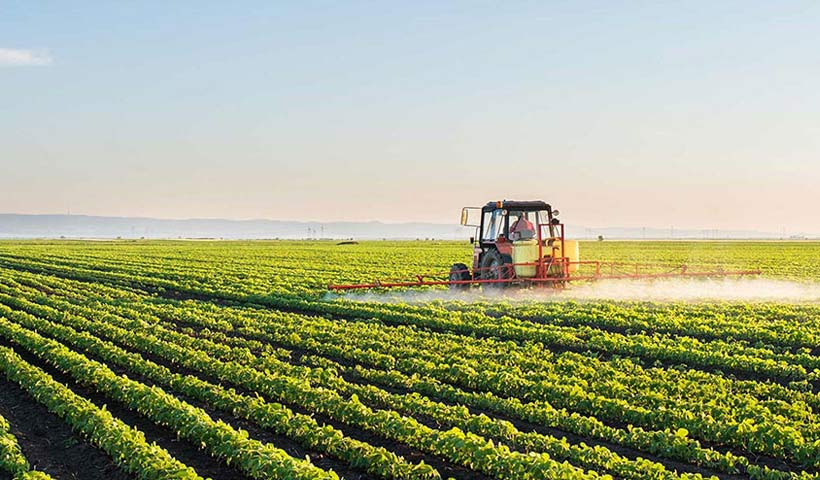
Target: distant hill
(84, 226)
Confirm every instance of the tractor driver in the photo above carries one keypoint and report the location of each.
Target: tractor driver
(522, 229)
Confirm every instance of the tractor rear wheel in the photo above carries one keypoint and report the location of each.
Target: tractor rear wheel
(492, 268)
(459, 272)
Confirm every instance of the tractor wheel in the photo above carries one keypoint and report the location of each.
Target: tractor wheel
(492, 268)
(459, 272)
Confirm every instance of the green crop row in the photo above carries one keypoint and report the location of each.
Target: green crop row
(767, 435)
(282, 420)
(126, 445)
(596, 458)
(783, 327)
(663, 443)
(463, 448)
(12, 460)
(221, 440)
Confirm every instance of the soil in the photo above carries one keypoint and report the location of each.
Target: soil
(205, 465)
(49, 444)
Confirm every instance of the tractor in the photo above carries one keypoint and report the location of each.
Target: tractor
(514, 240)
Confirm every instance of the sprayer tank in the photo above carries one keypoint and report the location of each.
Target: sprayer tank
(525, 251)
(569, 249)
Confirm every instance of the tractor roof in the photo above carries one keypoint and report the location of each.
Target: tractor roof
(529, 205)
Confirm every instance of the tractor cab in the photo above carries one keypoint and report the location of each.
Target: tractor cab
(509, 221)
(509, 235)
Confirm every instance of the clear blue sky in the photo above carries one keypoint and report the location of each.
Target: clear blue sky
(693, 114)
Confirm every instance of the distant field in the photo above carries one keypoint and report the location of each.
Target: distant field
(261, 267)
(174, 359)
(777, 259)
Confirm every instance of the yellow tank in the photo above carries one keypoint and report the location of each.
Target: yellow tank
(525, 251)
(570, 250)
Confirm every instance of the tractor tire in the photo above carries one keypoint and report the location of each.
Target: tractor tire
(459, 272)
(492, 268)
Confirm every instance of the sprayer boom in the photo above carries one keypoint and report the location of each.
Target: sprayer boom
(598, 271)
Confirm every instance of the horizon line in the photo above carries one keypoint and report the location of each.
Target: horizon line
(383, 222)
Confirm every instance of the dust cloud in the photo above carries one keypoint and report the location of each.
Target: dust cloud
(746, 289)
(692, 290)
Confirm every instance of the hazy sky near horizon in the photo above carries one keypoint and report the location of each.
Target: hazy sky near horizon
(656, 114)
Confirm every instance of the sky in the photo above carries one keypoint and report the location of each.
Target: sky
(629, 114)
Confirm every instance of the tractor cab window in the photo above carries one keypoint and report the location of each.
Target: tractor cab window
(493, 225)
(523, 225)
(544, 219)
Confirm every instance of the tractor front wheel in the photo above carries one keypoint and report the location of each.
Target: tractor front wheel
(458, 273)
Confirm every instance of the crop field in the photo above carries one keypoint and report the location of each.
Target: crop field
(230, 360)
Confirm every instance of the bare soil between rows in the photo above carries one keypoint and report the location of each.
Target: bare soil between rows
(204, 464)
(48, 442)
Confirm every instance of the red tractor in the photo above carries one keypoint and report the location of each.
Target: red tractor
(514, 241)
